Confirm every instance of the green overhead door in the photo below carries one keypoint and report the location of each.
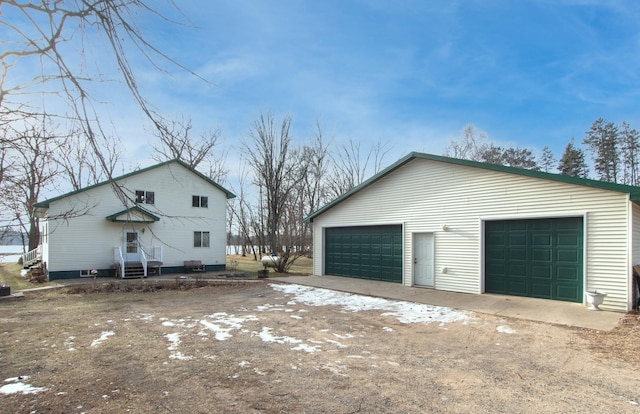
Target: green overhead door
(536, 258)
(367, 252)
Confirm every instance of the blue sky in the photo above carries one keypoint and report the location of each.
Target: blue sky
(411, 74)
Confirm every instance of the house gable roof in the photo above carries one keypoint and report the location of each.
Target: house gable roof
(45, 204)
(634, 192)
(135, 214)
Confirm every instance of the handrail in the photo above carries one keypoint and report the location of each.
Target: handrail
(32, 256)
(154, 253)
(118, 257)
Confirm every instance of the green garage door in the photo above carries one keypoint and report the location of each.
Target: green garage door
(536, 258)
(368, 252)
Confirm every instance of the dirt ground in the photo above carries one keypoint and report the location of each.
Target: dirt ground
(252, 348)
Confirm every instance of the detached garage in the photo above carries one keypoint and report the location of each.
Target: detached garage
(472, 227)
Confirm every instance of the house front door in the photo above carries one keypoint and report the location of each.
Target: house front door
(131, 247)
(423, 263)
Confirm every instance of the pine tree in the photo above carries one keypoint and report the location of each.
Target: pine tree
(603, 142)
(630, 146)
(572, 162)
(547, 161)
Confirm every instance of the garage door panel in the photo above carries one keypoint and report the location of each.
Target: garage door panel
(518, 287)
(541, 290)
(517, 239)
(370, 252)
(541, 239)
(543, 258)
(567, 293)
(541, 272)
(568, 273)
(568, 256)
(541, 255)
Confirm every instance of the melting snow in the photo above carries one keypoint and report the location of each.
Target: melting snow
(174, 339)
(266, 336)
(17, 386)
(405, 312)
(102, 338)
(505, 329)
(231, 323)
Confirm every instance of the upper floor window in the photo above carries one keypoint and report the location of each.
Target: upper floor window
(200, 201)
(146, 197)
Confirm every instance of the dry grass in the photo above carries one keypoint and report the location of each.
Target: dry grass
(365, 361)
(10, 275)
(302, 266)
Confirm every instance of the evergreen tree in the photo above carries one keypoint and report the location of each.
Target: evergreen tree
(630, 146)
(572, 162)
(603, 142)
(511, 157)
(548, 160)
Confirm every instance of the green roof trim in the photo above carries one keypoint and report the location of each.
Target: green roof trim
(45, 204)
(634, 192)
(152, 218)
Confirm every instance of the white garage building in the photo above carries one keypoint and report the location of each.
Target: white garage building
(472, 227)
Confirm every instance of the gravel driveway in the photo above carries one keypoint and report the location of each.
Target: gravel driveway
(274, 348)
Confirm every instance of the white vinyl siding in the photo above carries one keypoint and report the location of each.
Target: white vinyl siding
(426, 194)
(87, 241)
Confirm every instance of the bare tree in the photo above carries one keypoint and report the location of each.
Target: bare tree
(56, 37)
(274, 161)
(177, 141)
(312, 187)
(470, 147)
(351, 166)
(79, 164)
(32, 151)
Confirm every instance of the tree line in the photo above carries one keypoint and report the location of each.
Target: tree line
(281, 181)
(614, 152)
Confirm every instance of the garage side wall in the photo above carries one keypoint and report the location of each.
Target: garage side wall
(426, 195)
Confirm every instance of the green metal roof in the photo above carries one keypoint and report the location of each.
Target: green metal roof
(45, 204)
(634, 192)
(151, 217)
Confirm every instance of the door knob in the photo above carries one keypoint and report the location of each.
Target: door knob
(415, 261)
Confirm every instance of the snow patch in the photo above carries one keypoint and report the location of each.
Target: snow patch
(266, 336)
(224, 324)
(18, 386)
(506, 329)
(102, 338)
(405, 312)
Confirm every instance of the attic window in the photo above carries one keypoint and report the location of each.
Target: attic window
(200, 201)
(146, 197)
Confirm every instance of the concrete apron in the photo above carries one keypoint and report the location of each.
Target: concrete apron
(539, 310)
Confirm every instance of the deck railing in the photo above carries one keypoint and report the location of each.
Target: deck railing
(147, 254)
(153, 253)
(32, 256)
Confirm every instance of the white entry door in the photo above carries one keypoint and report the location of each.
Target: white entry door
(423, 263)
(131, 247)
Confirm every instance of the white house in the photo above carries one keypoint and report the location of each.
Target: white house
(150, 220)
(465, 226)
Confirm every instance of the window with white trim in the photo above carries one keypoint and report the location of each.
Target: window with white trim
(200, 201)
(200, 239)
(145, 197)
